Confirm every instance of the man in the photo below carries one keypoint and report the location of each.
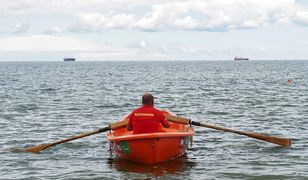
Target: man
(146, 119)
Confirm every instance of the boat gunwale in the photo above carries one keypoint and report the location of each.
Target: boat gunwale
(111, 137)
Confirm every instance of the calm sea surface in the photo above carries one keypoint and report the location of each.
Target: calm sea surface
(41, 102)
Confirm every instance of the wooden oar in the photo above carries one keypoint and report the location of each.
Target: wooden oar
(38, 148)
(276, 140)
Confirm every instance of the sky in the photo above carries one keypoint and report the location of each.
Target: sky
(119, 30)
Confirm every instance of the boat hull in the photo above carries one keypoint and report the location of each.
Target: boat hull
(151, 148)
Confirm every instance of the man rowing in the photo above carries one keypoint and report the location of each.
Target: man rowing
(146, 119)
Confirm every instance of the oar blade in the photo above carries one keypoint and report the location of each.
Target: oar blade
(276, 140)
(33, 149)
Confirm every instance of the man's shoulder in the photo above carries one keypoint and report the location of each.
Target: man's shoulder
(157, 111)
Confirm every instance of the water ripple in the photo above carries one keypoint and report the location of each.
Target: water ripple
(45, 102)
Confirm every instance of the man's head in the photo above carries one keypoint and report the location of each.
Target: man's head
(148, 99)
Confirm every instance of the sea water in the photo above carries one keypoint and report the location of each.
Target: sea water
(42, 102)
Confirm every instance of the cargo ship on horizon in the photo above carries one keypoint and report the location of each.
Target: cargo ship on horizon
(236, 58)
(69, 59)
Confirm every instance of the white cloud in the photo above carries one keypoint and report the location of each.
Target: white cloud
(209, 15)
(41, 26)
(302, 17)
(97, 22)
(142, 44)
(21, 7)
(18, 28)
(53, 30)
(169, 51)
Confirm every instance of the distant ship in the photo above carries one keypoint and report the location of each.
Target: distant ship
(69, 59)
(240, 58)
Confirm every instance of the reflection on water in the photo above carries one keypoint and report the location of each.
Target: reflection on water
(173, 166)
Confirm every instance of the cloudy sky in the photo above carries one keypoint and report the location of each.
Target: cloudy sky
(94, 30)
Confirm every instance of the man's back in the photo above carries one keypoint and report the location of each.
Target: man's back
(146, 119)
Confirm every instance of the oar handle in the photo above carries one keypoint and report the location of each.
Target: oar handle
(118, 125)
(177, 119)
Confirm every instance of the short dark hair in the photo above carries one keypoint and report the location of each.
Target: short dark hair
(148, 99)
